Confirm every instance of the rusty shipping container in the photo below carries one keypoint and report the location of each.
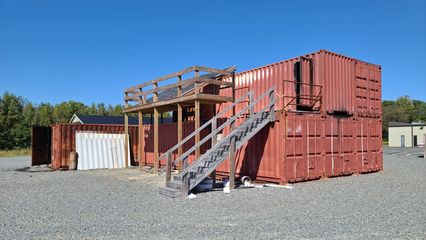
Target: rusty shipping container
(322, 81)
(63, 140)
(328, 120)
(300, 147)
(297, 147)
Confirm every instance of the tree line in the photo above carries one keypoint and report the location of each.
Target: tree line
(18, 115)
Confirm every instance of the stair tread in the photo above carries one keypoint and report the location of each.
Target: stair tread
(170, 192)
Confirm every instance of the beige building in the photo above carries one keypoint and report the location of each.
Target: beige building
(406, 134)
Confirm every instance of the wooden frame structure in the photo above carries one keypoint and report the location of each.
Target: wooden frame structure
(177, 93)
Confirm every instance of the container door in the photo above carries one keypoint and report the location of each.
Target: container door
(41, 139)
(402, 140)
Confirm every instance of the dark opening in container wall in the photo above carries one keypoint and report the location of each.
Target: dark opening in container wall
(41, 143)
(304, 84)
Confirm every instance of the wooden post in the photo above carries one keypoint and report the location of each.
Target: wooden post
(232, 147)
(126, 135)
(197, 117)
(126, 140)
(179, 124)
(155, 99)
(140, 139)
(169, 167)
(185, 179)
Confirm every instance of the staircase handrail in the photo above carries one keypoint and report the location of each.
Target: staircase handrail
(228, 122)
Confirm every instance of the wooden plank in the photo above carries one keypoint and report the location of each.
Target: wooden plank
(213, 70)
(155, 141)
(126, 141)
(205, 98)
(169, 167)
(227, 71)
(180, 134)
(162, 88)
(213, 98)
(214, 82)
(185, 180)
(172, 75)
(160, 104)
(197, 118)
(155, 96)
(179, 124)
(140, 139)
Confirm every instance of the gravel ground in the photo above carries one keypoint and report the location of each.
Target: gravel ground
(125, 204)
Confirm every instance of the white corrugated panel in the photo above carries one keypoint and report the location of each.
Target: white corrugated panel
(100, 150)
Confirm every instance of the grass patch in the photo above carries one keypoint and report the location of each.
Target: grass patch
(15, 152)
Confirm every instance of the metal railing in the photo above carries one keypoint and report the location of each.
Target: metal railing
(312, 98)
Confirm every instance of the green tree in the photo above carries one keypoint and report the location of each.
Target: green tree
(44, 115)
(117, 110)
(12, 125)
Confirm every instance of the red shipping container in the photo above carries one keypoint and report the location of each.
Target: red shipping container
(343, 84)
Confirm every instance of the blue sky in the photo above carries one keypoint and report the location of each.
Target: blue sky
(89, 51)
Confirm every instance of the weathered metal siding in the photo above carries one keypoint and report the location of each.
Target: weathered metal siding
(368, 90)
(259, 80)
(63, 140)
(167, 138)
(100, 150)
(348, 85)
(304, 147)
(300, 147)
(260, 157)
(337, 75)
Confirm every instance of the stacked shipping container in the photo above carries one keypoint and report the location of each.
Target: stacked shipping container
(328, 122)
(337, 133)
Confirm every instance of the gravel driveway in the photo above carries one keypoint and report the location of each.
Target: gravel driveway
(125, 204)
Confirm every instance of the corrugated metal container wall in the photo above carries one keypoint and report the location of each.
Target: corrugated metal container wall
(167, 135)
(259, 80)
(368, 89)
(337, 76)
(63, 140)
(300, 147)
(261, 157)
(346, 84)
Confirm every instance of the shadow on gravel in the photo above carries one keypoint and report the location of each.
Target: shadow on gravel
(35, 169)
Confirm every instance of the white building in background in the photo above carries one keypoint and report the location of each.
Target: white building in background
(406, 134)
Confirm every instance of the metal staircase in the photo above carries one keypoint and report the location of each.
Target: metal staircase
(198, 170)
